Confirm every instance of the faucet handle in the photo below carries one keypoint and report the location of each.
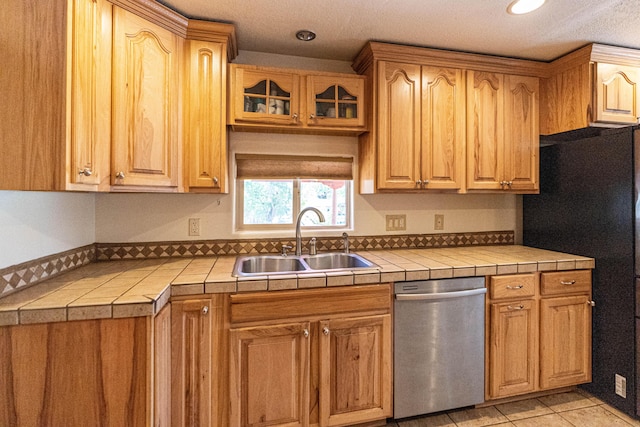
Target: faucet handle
(312, 247)
(285, 248)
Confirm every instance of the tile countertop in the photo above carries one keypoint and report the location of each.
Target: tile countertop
(117, 289)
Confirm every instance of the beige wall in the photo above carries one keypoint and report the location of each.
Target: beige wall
(165, 217)
(35, 224)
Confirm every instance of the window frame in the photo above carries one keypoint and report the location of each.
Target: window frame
(296, 208)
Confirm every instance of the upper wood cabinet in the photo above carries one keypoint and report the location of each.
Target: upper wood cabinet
(295, 100)
(449, 121)
(420, 115)
(502, 132)
(146, 81)
(595, 85)
(105, 94)
(205, 97)
(56, 108)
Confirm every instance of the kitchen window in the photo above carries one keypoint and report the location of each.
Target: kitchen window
(272, 190)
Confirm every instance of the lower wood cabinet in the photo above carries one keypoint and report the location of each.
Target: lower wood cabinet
(317, 357)
(538, 332)
(107, 372)
(197, 361)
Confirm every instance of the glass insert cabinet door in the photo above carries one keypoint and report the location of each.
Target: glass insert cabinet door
(335, 101)
(268, 97)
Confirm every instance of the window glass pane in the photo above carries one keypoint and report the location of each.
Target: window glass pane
(330, 196)
(268, 202)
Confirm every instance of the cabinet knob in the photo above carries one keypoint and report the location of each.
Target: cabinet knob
(515, 287)
(591, 303)
(305, 333)
(325, 330)
(215, 180)
(419, 183)
(312, 116)
(294, 116)
(205, 309)
(567, 282)
(85, 172)
(120, 175)
(518, 307)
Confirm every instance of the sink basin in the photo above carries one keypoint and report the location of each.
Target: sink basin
(336, 261)
(267, 264)
(256, 265)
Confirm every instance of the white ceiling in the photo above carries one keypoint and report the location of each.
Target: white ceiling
(483, 26)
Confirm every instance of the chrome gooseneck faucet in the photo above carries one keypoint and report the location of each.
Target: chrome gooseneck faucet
(298, 234)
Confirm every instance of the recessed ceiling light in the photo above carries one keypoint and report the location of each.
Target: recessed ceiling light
(520, 7)
(305, 35)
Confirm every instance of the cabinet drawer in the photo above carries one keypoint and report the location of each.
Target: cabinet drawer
(512, 286)
(563, 282)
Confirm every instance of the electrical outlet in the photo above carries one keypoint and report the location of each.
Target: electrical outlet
(438, 223)
(194, 226)
(621, 386)
(396, 222)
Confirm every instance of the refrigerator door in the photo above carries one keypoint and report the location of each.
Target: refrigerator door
(586, 206)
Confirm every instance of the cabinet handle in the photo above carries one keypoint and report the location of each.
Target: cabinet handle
(502, 184)
(520, 307)
(205, 309)
(591, 303)
(419, 183)
(515, 287)
(570, 282)
(509, 183)
(85, 172)
(305, 333)
(215, 180)
(294, 116)
(312, 116)
(325, 330)
(120, 175)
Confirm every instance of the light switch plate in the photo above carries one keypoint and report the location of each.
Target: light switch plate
(396, 222)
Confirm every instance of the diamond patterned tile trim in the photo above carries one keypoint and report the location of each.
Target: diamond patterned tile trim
(121, 251)
(29, 273)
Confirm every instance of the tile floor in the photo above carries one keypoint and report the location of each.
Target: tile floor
(570, 409)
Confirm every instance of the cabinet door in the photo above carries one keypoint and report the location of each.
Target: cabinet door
(268, 97)
(398, 126)
(565, 341)
(521, 134)
(616, 93)
(355, 370)
(191, 394)
(485, 137)
(89, 133)
(206, 133)
(512, 348)
(443, 128)
(145, 148)
(269, 375)
(335, 101)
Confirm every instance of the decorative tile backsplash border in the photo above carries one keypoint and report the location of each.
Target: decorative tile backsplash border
(20, 276)
(123, 251)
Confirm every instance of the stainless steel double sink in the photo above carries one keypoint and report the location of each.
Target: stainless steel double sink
(260, 265)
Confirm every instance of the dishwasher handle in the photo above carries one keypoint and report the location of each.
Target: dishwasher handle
(440, 295)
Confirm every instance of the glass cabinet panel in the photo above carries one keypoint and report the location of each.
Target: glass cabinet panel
(274, 101)
(336, 102)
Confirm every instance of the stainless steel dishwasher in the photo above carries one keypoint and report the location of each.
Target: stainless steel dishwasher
(438, 345)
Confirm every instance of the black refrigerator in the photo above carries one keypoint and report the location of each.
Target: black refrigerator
(588, 205)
